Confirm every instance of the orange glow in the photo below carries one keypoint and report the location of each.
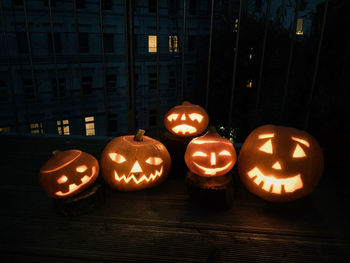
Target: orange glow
(195, 116)
(212, 171)
(154, 160)
(265, 136)
(267, 147)
(62, 179)
(116, 157)
(301, 141)
(184, 128)
(136, 168)
(172, 117)
(199, 154)
(74, 187)
(225, 153)
(63, 165)
(196, 141)
(274, 185)
(298, 152)
(81, 168)
(143, 178)
(183, 117)
(277, 166)
(212, 159)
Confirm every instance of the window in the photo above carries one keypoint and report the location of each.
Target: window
(107, 4)
(172, 80)
(17, 2)
(86, 84)
(152, 117)
(3, 90)
(108, 42)
(28, 89)
(63, 127)
(173, 44)
(191, 43)
(249, 83)
(61, 87)
(192, 7)
(111, 82)
(152, 6)
(173, 7)
(80, 3)
(300, 24)
(5, 129)
(152, 43)
(90, 126)
(152, 80)
(22, 43)
(57, 41)
(83, 42)
(36, 127)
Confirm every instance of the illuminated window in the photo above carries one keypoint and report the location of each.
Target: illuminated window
(152, 43)
(249, 83)
(36, 127)
(5, 129)
(300, 25)
(173, 44)
(235, 27)
(90, 126)
(64, 127)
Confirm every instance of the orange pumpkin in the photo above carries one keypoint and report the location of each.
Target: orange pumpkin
(279, 163)
(186, 120)
(210, 155)
(67, 173)
(132, 163)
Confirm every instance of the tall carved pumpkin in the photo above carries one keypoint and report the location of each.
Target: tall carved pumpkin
(67, 173)
(279, 163)
(186, 120)
(132, 163)
(210, 155)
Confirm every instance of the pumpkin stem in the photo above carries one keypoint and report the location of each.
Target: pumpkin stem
(139, 135)
(186, 103)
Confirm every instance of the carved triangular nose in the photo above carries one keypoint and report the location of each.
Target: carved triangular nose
(277, 166)
(136, 168)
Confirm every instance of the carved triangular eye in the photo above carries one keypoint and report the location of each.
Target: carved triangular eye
(267, 147)
(225, 153)
(298, 152)
(154, 160)
(172, 117)
(199, 154)
(195, 116)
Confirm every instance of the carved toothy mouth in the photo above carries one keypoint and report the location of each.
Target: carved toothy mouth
(184, 128)
(142, 178)
(275, 185)
(212, 171)
(74, 187)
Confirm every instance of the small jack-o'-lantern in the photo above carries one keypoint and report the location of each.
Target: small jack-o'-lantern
(279, 163)
(186, 120)
(130, 163)
(67, 173)
(210, 155)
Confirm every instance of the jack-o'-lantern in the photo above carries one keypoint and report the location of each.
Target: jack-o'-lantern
(186, 120)
(280, 164)
(210, 155)
(67, 173)
(130, 163)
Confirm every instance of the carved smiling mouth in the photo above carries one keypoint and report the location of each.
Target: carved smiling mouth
(212, 171)
(275, 185)
(74, 187)
(142, 178)
(184, 128)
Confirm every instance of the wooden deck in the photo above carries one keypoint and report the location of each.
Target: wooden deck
(161, 224)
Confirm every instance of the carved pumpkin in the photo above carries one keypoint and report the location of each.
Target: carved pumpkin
(279, 163)
(186, 120)
(67, 173)
(132, 163)
(210, 155)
